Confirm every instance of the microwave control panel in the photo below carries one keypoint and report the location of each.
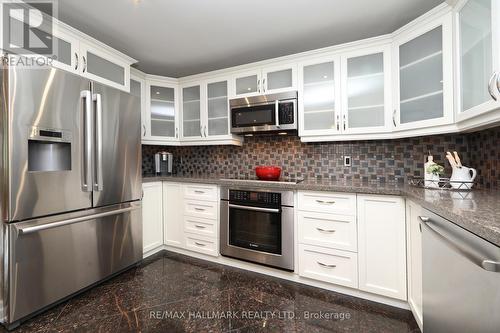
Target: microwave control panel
(286, 113)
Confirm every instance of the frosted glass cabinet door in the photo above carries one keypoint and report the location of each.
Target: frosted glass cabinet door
(421, 77)
(319, 97)
(247, 84)
(191, 112)
(475, 49)
(218, 109)
(278, 79)
(365, 91)
(162, 111)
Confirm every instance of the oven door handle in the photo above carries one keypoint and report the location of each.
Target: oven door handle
(257, 209)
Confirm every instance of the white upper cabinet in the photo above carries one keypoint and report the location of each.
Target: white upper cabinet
(161, 116)
(217, 116)
(66, 51)
(366, 97)
(478, 46)
(191, 112)
(247, 84)
(104, 67)
(424, 80)
(267, 80)
(279, 78)
(319, 95)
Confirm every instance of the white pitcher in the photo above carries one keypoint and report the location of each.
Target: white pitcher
(462, 177)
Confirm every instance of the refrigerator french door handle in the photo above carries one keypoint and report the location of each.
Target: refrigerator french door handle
(98, 141)
(86, 97)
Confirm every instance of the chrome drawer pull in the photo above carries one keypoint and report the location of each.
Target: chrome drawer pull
(323, 230)
(200, 244)
(326, 265)
(199, 209)
(199, 226)
(199, 192)
(325, 202)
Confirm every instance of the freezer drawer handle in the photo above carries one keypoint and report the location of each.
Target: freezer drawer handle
(29, 230)
(486, 264)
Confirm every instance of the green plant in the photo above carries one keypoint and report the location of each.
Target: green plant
(435, 169)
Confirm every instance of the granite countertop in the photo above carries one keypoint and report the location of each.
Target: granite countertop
(477, 211)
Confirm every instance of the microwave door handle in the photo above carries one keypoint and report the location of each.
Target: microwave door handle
(98, 142)
(277, 113)
(86, 97)
(255, 209)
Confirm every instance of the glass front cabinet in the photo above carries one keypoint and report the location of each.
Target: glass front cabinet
(161, 116)
(477, 33)
(267, 80)
(366, 91)
(319, 96)
(424, 76)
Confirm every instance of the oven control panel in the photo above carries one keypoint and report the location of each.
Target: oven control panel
(254, 197)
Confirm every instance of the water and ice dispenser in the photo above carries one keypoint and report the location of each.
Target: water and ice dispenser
(49, 150)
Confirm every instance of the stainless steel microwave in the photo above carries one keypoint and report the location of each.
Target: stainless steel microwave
(264, 113)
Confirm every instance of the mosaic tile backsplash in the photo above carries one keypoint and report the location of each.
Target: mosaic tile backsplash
(378, 160)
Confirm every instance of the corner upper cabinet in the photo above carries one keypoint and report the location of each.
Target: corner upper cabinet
(161, 116)
(267, 80)
(319, 96)
(105, 67)
(423, 71)
(191, 99)
(478, 58)
(366, 94)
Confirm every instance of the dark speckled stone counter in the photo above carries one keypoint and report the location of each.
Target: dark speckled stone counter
(477, 211)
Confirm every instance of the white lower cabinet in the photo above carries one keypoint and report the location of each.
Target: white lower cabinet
(382, 245)
(328, 265)
(152, 223)
(414, 258)
(173, 214)
(202, 244)
(327, 230)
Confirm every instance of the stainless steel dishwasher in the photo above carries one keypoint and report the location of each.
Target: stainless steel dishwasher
(461, 279)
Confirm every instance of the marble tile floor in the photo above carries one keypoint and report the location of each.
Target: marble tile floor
(169, 292)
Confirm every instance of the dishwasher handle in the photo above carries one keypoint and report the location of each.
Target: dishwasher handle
(486, 264)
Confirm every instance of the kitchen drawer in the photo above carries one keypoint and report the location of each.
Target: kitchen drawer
(333, 266)
(328, 230)
(201, 244)
(202, 209)
(325, 202)
(201, 192)
(196, 225)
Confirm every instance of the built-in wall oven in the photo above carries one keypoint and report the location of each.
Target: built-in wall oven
(257, 226)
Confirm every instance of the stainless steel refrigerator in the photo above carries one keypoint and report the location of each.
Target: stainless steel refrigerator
(70, 180)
